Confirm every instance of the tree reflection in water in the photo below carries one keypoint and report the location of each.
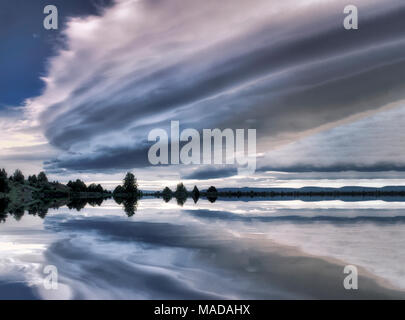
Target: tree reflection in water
(130, 204)
(40, 208)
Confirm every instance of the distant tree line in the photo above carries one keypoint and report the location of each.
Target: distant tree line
(40, 183)
(80, 186)
(181, 194)
(129, 188)
(76, 194)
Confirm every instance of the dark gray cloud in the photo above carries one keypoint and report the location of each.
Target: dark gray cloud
(371, 144)
(333, 88)
(378, 167)
(105, 159)
(281, 76)
(211, 173)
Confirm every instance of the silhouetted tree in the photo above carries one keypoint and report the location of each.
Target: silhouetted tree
(33, 180)
(195, 194)
(181, 189)
(118, 190)
(4, 188)
(95, 202)
(3, 209)
(118, 200)
(77, 204)
(18, 213)
(130, 206)
(33, 209)
(130, 183)
(18, 176)
(95, 188)
(181, 194)
(77, 186)
(3, 174)
(42, 212)
(42, 178)
(212, 194)
(181, 200)
(167, 194)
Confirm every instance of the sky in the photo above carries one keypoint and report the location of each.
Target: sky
(327, 103)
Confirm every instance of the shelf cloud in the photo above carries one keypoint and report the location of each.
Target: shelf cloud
(287, 69)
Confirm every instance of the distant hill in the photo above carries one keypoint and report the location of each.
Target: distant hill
(347, 189)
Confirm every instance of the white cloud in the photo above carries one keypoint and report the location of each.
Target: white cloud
(375, 142)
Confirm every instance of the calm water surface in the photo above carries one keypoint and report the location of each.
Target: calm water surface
(223, 250)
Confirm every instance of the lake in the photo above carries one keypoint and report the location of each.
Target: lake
(230, 249)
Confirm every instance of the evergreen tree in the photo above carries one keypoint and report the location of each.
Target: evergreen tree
(77, 186)
(195, 194)
(212, 194)
(99, 188)
(33, 180)
(181, 189)
(3, 174)
(181, 194)
(118, 190)
(130, 206)
(95, 188)
(92, 187)
(130, 183)
(42, 178)
(167, 194)
(212, 189)
(4, 188)
(167, 191)
(18, 176)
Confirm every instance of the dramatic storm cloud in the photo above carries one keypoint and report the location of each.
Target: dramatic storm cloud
(374, 143)
(287, 69)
